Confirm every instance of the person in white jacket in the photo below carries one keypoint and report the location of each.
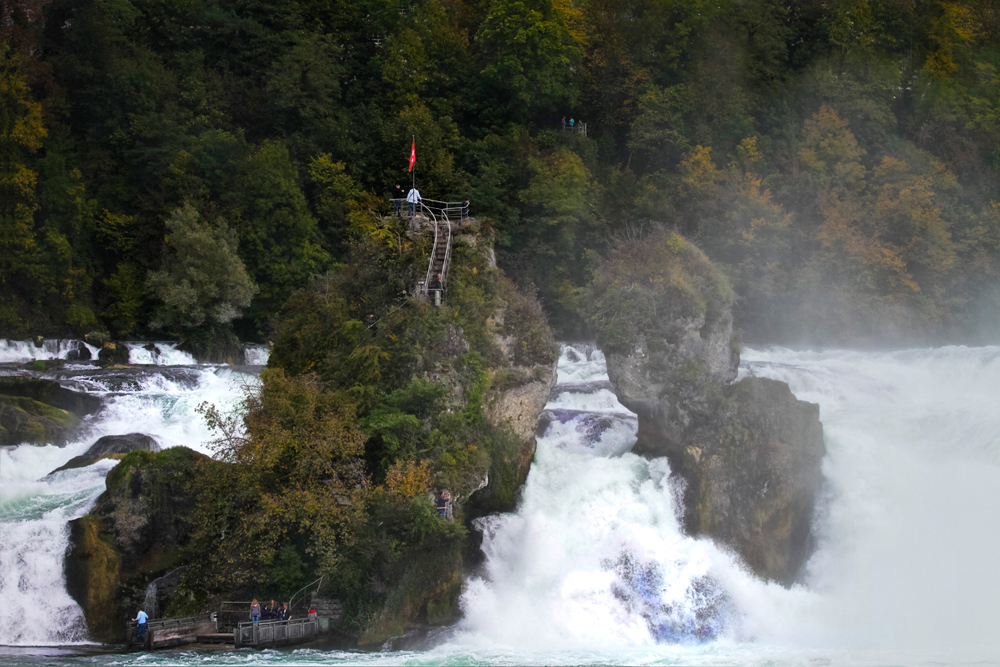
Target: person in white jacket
(414, 198)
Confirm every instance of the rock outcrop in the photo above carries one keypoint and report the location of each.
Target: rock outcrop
(110, 446)
(749, 453)
(135, 533)
(40, 411)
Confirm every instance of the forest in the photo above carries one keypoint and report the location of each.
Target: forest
(179, 168)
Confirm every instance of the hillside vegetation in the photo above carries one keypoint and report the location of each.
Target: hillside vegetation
(838, 160)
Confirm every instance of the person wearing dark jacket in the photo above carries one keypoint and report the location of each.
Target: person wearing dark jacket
(398, 195)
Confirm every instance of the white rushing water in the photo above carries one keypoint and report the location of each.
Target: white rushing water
(21, 351)
(593, 568)
(35, 508)
(593, 563)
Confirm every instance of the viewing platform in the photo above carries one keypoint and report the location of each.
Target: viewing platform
(442, 217)
(230, 625)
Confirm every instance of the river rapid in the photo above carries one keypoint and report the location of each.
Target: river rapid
(593, 568)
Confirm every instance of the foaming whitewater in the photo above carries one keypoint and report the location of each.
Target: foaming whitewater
(159, 354)
(21, 351)
(35, 508)
(909, 540)
(595, 558)
(593, 564)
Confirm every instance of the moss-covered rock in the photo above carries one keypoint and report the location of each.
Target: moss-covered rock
(51, 393)
(111, 446)
(750, 452)
(93, 572)
(136, 532)
(26, 421)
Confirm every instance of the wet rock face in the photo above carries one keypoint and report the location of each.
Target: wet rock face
(753, 474)
(749, 453)
(110, 445)
(40, 411)
(687, 350)
(134, 534)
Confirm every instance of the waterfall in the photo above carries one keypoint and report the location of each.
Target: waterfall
(257, 355)
(159, 354)
(35, 508)
(593, 562)
(21, 351)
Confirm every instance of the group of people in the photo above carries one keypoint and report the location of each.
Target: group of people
(570, 126)
(271, 612)
(413, 198)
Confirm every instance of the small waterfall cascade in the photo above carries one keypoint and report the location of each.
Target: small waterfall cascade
(149, 602)
(257, 355)
(159, 354)
(22, 351)
(35, 507)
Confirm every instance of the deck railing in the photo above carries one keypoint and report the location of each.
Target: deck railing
(263, 633)
(161, 625)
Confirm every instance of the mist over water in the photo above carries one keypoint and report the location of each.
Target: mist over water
(908, 540)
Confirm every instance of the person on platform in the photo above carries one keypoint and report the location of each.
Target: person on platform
(254, 611)
(414, 198)
(140, 628)
(398, 195)
(286, 613)
(465, 209)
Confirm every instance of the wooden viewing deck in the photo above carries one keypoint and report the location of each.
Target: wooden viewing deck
(202, 629)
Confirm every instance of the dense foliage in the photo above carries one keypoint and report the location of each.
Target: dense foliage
(373, 400)
(838, 159)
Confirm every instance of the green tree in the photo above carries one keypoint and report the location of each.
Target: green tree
(204, 281)
(21, 134)
(528, 55)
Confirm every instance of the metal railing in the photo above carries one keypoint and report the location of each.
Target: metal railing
(578, 127)
(165, 624)
(304, 590)
(436, 211)
(274, 632)
(453, 210)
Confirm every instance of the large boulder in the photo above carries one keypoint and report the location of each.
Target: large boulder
(135, 533)
(751, 465)
(110, 446)
(749, 453)
(26, 421)
(51, 393)
(36, 411)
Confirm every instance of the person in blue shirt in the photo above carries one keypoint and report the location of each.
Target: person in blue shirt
(140, 630)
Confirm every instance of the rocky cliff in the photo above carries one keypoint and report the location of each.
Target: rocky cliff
(135, 533)
(749, 453)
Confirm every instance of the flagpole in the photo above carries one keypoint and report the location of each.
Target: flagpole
(413, 172)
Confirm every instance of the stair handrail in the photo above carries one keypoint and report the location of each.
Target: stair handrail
(291, 600)
(430, 263)
(446, 264)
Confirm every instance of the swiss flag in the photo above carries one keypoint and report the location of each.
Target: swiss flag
(413, 155)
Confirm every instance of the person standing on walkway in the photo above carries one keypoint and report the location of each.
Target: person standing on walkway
(254, 611)
(414, 198)
(398, 194)
(465, 209)
(140, 628)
